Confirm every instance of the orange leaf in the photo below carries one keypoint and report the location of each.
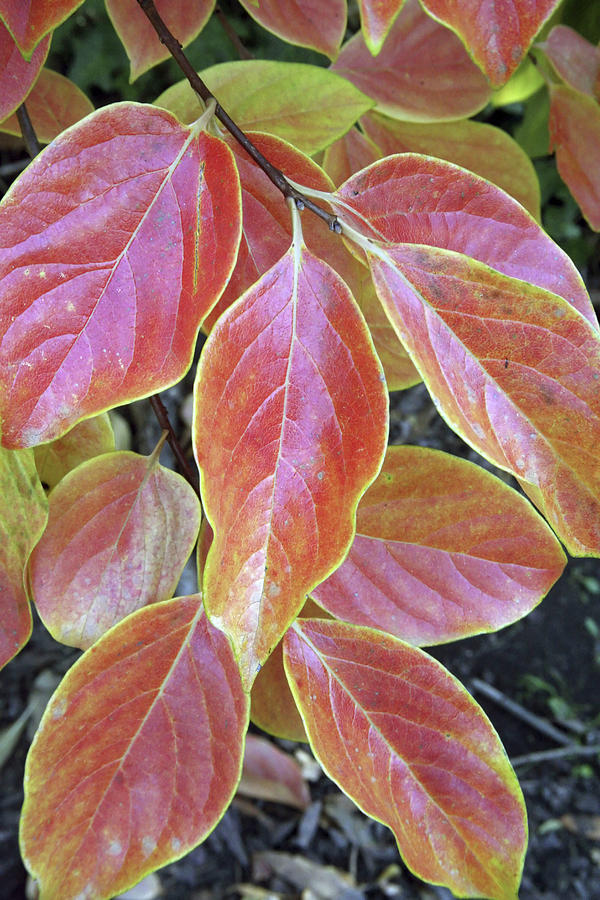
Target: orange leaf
(185, 20)
(271, 774)
(376, 18)
(137, 756)
(575, 60)
(290, 428)
(54, 103)
(17, 74)
(83, 442)
(497, 35)
(30, 21)
(443, 550)
(411, 747)
(575, 138)
(309, 23)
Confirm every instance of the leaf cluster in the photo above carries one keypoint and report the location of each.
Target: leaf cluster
(326, 560)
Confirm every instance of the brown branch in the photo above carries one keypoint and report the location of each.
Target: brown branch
(233, 36)
(32, 145)
(274, 174)
(163, 420)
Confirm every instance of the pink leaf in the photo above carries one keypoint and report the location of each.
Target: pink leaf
(17, 74)
(116, 242)
(120, 530)
(442, 550)
(422, 74)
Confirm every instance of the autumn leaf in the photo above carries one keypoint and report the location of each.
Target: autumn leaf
(120, 530)
(101, 304)
(137, 756)
(407, 742)
(289, 429)
(443, 550)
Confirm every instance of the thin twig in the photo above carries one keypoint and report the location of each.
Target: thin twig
(163, 420)
(274, 174)
(556, 753)
(32, 145)
(541, 725)
(232, 34)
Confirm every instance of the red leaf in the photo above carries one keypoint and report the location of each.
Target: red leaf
(497, 35)
(102, 290)
(309, 23)
(23, 517)
(411, 747)
(83, 442)
(271, 774)
(17, 76)
(377, 17)
(422, 74)
(443, 550)
(480, 148)
(30, 20)
(184, 19)
(414, 200)
(54, 103)
(120, 530)
(290, 427)
(137, 756)
(575, 60)
(513, 369)
(575, 138)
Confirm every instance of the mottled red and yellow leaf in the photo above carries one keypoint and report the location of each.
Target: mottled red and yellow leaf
(137, 756)
(413, 749)
(514, 370)
(443, 550)
(413, 199)
(290, 428)
(497, 35)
